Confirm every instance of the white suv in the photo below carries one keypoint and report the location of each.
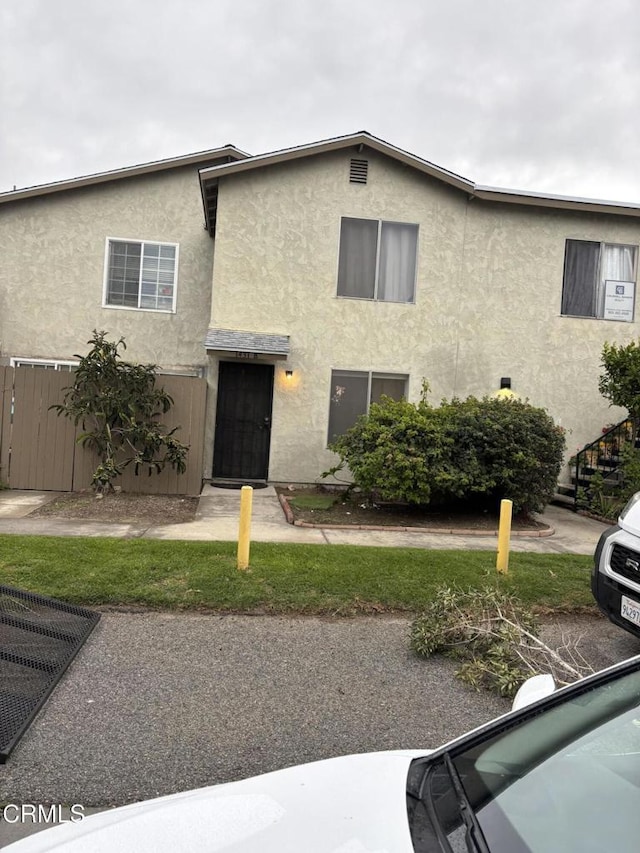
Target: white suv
(615, 579)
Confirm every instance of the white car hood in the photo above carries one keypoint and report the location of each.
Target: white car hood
(354, 804)
(630, 521)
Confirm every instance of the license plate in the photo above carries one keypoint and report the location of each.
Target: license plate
(630, 610)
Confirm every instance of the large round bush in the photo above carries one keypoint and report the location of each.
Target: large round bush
(461, 450)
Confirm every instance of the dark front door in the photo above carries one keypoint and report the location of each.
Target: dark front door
(243, 421)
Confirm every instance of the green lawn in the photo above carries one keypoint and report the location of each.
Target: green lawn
(313, 501)
(281, 579)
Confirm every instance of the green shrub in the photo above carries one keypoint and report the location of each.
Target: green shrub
(461, 450)
(395, 451)
(620, 382)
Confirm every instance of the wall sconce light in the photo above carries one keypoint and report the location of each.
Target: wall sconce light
(506, 392)
(289, 374)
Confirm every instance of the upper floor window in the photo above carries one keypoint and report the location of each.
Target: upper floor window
(352, 392)
(599, 280)
(377, 260)
(141, 275)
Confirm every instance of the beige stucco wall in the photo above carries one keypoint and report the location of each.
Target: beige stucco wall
(487, 305)
(52, 271)
(488, 292)
(514, 259)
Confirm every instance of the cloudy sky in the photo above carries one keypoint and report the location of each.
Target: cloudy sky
(541, 95)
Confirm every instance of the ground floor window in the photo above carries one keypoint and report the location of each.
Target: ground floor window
(44, 364)
(353, 391)
(599, 280)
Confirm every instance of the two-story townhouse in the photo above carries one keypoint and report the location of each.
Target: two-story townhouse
(324, 276)
(368, 271)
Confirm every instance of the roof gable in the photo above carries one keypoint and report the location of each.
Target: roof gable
(209, 177)
(354, 140)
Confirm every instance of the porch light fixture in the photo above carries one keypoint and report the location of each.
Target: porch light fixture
(289, 374)
(505, 392)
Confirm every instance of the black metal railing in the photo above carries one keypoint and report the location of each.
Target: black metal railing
(604, 455)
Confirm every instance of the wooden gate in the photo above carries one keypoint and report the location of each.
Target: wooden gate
(38, 448)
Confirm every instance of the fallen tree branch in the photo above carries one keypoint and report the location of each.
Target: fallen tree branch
(496, 637)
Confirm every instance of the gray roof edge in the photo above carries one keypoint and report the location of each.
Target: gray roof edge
(538, 199)
(335, 144)
(486, 193)
(126, 172)
(236, 340)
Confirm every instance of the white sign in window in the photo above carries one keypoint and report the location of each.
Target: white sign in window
(619, 298)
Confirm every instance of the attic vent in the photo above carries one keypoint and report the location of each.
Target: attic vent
(358, 171)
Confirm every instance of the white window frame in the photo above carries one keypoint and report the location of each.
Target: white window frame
(138, 307)
(375, 297)
(371, 375)
(56, 364)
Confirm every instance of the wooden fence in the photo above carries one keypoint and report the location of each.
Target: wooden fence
(38, 448)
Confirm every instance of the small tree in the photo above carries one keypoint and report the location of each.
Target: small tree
(620, 382)
(118, 406)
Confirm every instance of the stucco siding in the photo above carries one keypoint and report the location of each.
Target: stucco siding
(51, 283)
(275, 270)
(511, 324)
(487, 298)
(487, 304)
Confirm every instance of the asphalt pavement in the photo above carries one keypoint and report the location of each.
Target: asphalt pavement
(163, 702)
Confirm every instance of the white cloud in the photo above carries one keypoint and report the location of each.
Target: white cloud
(537, 96)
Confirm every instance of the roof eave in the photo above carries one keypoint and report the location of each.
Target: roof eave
(336, 144)
(229, 151)
(237, 341)
(557, 202)
(210, 176)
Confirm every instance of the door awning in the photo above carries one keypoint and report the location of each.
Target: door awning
(238, 342)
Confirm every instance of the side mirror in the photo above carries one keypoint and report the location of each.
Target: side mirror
(534, 688)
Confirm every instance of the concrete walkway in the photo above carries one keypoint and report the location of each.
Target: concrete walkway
(217, 520)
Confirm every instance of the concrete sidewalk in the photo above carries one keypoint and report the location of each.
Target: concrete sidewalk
(217, 520)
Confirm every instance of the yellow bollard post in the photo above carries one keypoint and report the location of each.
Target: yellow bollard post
(504, 536)
(244, 533)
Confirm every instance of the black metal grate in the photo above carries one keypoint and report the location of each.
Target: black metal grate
(625, 562)
(39, 637)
